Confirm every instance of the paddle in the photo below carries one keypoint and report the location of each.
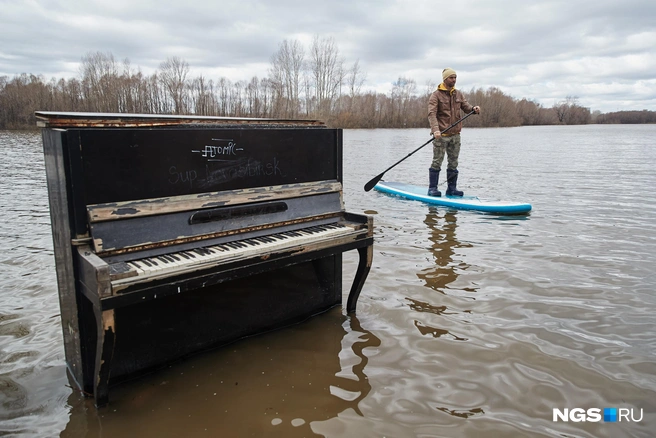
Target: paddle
(370, 185)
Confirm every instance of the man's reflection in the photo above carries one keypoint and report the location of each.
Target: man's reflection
(438, 277)
(443, 245)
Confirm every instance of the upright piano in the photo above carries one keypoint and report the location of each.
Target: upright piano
(176, 234)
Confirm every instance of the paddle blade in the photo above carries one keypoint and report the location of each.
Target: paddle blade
(370, 185)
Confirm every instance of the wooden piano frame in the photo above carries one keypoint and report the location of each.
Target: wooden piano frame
(114, 331)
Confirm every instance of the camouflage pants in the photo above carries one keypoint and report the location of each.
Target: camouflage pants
(449, 146)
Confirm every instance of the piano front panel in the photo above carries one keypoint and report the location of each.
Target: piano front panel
(147, 163)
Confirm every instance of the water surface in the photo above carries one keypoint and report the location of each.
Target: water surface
(469, 324)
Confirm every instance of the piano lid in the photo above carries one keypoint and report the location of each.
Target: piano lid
(55, 119)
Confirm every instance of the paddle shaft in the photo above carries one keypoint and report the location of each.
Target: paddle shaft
(370, 185)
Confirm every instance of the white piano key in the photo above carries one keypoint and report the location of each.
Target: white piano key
(136, 266)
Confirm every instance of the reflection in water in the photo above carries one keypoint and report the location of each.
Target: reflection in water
(421, 306)
(424, 329)
(276, 384)
(364, 339)
(435, 332)
(462, 414)
(444, 242)
(438, 278)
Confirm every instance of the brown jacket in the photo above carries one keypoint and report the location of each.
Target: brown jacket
(444, 108)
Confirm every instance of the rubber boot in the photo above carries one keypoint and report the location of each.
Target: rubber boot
(433, 177)
(452, 181)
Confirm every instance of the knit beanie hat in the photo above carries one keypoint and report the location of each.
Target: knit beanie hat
(447, 72)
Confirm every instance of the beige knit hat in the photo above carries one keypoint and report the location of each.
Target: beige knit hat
(447, 72)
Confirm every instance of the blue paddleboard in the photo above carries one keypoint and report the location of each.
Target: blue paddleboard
(409, 191)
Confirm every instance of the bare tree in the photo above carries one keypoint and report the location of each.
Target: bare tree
(202, 92)
(403, 90)
(327, 72)
(569, 112)
(223, 90)
(173, 75)
(132, 94)
(267, 96)
(155, 95)
(355, 79)
(529, 111)
(562, 108)
(286, 69)
(237, 99)
(100, 82)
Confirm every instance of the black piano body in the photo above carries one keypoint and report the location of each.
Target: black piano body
(176, 234)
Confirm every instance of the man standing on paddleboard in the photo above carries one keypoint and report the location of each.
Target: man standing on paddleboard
(444, 107)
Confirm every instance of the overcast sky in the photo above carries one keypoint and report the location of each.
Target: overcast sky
(601, 51)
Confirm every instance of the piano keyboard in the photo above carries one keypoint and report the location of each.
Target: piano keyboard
(183, 260)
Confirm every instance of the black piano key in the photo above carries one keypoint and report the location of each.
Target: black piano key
(139, 264)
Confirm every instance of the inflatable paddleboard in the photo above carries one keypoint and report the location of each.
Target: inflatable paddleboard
(409, 191)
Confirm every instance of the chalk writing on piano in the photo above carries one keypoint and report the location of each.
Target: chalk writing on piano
(212, 151)
(237, 170)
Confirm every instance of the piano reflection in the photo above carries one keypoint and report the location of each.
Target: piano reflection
(175, 234)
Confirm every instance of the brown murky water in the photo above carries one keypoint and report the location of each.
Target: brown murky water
(469, 324)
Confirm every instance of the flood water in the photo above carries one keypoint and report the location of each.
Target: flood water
(469, 324)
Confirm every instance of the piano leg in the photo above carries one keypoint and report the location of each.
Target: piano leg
(104, 355)
(364, 265)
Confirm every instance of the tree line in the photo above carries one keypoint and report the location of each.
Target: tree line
(310, 84)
